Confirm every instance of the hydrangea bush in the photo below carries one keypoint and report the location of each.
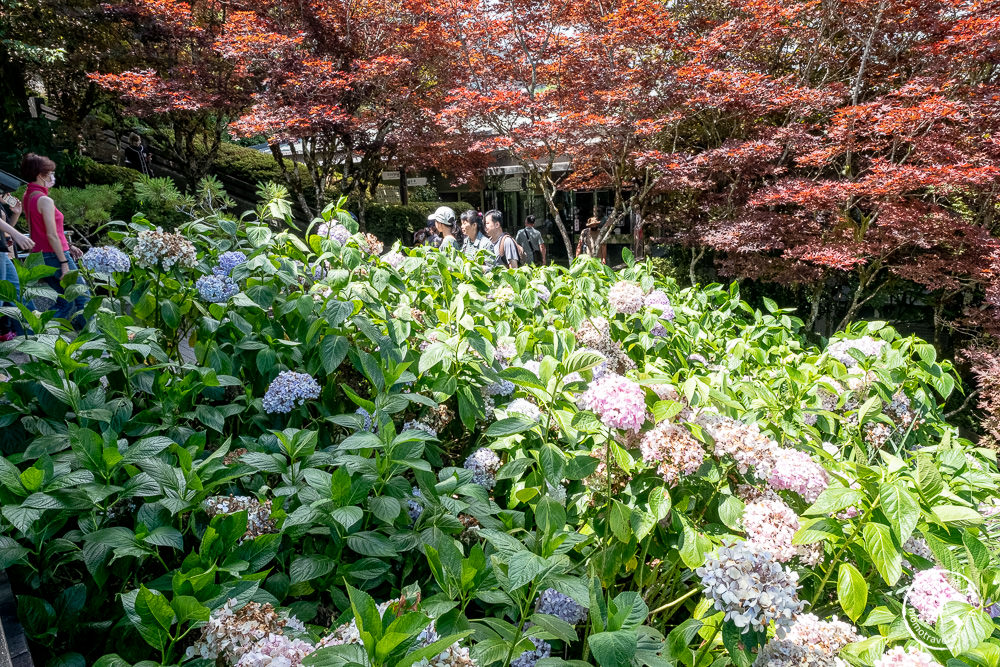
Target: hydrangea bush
(269, 448)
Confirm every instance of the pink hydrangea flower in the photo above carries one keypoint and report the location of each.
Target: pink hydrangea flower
(619, 402)
(770, 525)
(795, 471)
(911, 657)
(929, 592)
(625, 297)
(672, 449)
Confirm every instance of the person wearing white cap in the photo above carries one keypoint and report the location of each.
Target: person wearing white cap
(444, 221)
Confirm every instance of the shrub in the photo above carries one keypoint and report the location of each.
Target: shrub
(91, 172)
(253, 166)
(87, 210)
(475, 466)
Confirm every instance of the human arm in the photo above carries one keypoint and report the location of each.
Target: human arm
(510, 251)
(47, 208)
(22, 240)
(541, 246)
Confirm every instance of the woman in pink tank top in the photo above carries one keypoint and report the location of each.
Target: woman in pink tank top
(45, 222)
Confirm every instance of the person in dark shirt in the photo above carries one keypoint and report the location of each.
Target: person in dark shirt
(137, 155)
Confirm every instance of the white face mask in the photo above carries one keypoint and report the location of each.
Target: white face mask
(51, 180)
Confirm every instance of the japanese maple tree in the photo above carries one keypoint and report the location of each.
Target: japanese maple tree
(185, 90)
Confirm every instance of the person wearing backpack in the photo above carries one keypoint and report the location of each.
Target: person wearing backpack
(530, 239)
(508, 252)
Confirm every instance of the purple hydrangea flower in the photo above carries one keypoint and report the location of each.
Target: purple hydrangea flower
(106, 260)
(337, 232)
(229, 261)
(216, 288)
(369, 424)
(528, 659)
(413, 507)
(393, 258)
(619, 402)
(288, 388)
(501, 388)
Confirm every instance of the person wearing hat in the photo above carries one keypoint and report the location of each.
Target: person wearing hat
(588, 244)
(444, 221)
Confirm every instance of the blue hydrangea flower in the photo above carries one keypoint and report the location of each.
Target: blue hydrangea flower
(216, 289)
(413, 507)
(369, 424)
(229, 261)
(554, 603)
(501, 388)
(528, 659)
(106, 260)
(484, 464)
(288, 388)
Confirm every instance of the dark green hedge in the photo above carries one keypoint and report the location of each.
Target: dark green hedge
(391, 222)
(91, 172)
(250, 165)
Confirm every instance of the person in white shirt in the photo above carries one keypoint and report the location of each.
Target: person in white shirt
(476, 240)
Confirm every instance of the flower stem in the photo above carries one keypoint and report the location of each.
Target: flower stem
(707, 646)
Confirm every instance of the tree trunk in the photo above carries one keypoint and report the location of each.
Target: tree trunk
(695, 258)
(548, 188)
(817, 295)
(294, 182)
